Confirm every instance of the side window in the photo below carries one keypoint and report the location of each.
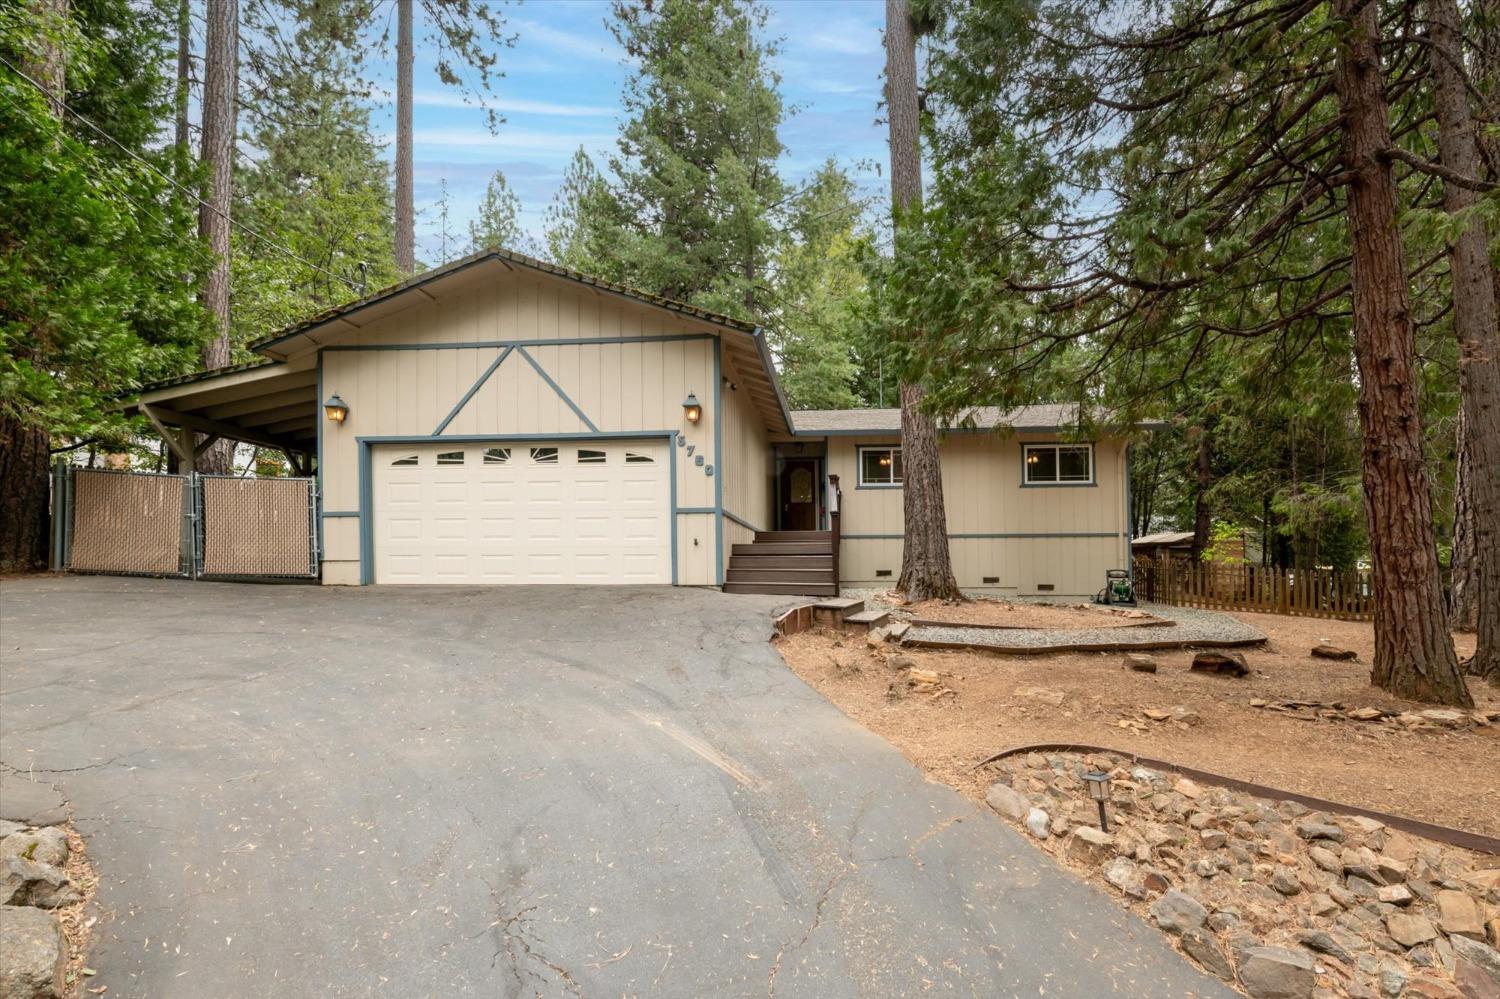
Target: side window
(544, 455)
(406, 459)
(880, 467)
(450, 458)
(590, 457)
(633, 458)
(496, 455)
(1058, 464)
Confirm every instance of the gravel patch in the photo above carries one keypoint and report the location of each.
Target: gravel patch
(1191, 627)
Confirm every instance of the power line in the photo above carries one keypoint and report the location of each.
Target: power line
(285, 251)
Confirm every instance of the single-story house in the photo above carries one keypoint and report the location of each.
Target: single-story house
(504, 420)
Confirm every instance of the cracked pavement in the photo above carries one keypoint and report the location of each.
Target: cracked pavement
(520, 791)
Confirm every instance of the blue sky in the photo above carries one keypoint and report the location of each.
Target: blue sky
(562, 90)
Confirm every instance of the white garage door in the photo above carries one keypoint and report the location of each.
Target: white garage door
(544, 512)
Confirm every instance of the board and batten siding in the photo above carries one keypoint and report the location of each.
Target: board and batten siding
(748, 486)
(1025, 536)
(397, 386)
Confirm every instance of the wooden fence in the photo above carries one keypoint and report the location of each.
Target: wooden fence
(1302, 592)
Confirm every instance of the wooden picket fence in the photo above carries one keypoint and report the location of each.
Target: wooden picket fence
(1302, 592)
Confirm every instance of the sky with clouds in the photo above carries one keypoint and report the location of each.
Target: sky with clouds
(561, 90)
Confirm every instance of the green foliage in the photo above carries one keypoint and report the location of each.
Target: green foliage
(690, 214)
(496, 224)
(1226, 544)
(1326, 527)
(694, 208)
(316, 186)
(97, 253)
(818, 292)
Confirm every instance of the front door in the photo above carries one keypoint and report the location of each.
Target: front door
(799, 494)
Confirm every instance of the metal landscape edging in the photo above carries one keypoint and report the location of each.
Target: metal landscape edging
(1477, 842)
(1033, 650)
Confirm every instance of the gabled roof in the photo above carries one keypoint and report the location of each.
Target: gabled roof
(511, 260)
(1049, 417)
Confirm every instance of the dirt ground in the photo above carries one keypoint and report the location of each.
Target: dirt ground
(989, 612)
(1447, 777)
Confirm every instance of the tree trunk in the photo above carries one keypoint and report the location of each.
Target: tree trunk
(1414, 655)
(1477, 323)
(24, 517)
(220, 86)
(1463, 594)
(406, 242)
(926, 565)
(1203, 474)
(183, 93)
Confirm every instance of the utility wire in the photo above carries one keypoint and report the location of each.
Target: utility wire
(170, 180)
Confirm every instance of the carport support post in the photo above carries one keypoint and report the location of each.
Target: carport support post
(179, 439)
(59, 511)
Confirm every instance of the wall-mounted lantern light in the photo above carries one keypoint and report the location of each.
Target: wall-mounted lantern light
(1099, 790)
(692, 408)
(336, 408)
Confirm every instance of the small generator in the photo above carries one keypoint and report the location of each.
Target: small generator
(1117, 589)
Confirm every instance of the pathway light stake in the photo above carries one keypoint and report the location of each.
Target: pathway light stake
(1099, 790)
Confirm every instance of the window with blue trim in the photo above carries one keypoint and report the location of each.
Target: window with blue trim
(880, 467)
(1058, 464)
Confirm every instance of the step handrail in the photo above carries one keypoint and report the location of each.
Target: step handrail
(836, 497)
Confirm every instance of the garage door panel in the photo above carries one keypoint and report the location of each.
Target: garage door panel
(586, 515)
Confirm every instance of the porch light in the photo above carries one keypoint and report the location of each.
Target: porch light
(1098, 783)
(335, 408)
(692, 408)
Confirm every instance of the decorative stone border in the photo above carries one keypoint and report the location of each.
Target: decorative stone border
(1477, 842)
(922, 622)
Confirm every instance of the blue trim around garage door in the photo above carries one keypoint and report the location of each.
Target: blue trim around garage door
(366, 510)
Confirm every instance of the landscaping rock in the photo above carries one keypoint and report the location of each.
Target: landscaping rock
(1314, 828)
(48, 845)
(25, 882)
(1139, 663)
(8, 828)
(1178, 912)
(1326, 651)
(1324, 943)
(1007, 801)
(1392, 980)
(1037, 823)
(1408, 930)
(33, 954)
(1394, 895)
(1284, 880)
(1044, 694)
(30, 803)
(1090, 844)
(1223, 663)
(1278, 973)
(1213, 839)
(1204, 949)
(1476, 968)
(1125, 876)
(1458, 914)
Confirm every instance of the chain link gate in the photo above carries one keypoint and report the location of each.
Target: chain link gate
(192, 526)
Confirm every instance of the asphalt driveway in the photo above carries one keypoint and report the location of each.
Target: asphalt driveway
(297, 791)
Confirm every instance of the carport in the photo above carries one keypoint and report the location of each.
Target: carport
(265, 403)
(196, 525)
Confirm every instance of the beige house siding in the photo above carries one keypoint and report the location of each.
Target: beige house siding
(1024, 537)
(397, 386)
(746, 467)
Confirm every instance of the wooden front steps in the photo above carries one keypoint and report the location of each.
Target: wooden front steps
(791, 562)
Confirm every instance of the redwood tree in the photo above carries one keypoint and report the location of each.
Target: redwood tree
(926, 564)
(1476, 320)
(1414, 654)
(220, 116)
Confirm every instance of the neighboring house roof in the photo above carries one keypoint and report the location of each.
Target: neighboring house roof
(1163, 538)
(1050, 416)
